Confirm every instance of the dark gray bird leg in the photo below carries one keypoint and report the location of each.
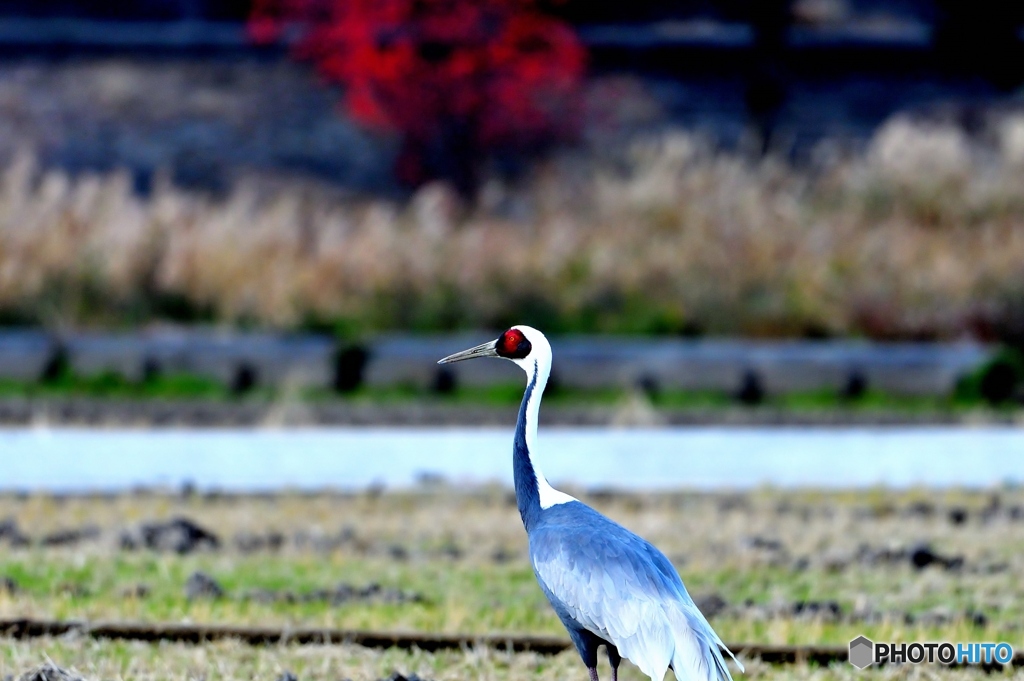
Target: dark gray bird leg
(614, 659)
(593, 673)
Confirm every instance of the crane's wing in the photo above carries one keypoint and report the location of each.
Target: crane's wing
(623, 589)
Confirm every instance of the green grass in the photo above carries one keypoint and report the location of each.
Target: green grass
(706, 535)
(114, 386)
(190, 387)
(181, 386)
(457, 597)
(676, 400)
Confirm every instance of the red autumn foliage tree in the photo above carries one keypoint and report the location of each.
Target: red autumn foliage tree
(458, 78)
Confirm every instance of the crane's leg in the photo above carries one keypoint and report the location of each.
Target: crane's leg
(593, 673)
(613, 659)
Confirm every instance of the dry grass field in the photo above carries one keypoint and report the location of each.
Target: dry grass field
(920, 235)
(227, 661)
(770, 566)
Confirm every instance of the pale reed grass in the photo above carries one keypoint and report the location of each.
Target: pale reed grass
(922, 234)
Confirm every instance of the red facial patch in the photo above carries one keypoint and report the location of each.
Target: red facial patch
(510, 341)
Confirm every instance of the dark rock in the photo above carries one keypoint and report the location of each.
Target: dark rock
(73, 590)
(344, 593)
(922, 556)
(10, 533)
(855, 387)
(977, 618)
(958, 515)
(328, 543)
(246, 378)
(269, 596)
(8, 527)
(999, 381)
(339, 595)
(751, 391)
(398, 552)
(733, 502)
(881, 510)
(833, 561)
(179, 535)
(503, 555)
(202, 585)
(936, 617)
(50, 672)
(70, 537)
(871, 556)
(649, 385)
(922, 509)
(137, 591)
(820, 610)
(287, 676)
(765, 544)
(992, 509)
(451, 550)
(252, 543)
(349, 366)
(711, 604)
(397, 676)
(8, 585)
(444, 382)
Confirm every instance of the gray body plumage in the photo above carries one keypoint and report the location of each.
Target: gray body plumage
(601, 577)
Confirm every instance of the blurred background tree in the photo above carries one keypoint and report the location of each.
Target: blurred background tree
(461, 81)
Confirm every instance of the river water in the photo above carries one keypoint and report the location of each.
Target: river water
(68, 459)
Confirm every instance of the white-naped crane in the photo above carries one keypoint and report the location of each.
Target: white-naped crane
(607, 585)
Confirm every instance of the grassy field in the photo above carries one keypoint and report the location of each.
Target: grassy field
(786, 567)
(228, 661)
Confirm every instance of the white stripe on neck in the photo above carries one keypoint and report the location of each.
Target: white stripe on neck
(549, 496)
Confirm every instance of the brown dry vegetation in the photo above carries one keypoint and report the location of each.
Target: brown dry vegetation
(922, 235)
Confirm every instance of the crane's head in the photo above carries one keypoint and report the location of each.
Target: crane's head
(523, 345)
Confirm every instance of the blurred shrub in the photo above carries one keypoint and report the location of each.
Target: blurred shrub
(454, 77)
(998, 382)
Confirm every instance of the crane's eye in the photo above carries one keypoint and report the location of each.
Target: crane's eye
(513, 345)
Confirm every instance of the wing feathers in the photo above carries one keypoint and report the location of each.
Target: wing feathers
(624, 590)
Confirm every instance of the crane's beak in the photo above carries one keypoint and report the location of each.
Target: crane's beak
(484, 350)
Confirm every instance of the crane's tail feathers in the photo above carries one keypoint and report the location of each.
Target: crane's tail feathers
(739, 664)
(716, 643)
(698, 652)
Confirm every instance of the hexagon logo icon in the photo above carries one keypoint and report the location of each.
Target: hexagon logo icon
(862, 652)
